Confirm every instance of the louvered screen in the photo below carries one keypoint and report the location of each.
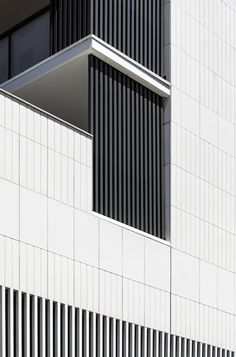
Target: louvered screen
(125, 119)
(132, 26)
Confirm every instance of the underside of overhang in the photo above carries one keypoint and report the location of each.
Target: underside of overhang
(59, 84)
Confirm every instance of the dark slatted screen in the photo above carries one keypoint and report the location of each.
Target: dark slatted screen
(70, 21)
(126, 123)
(132, 26)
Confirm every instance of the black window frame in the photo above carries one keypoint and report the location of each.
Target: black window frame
(8, 34)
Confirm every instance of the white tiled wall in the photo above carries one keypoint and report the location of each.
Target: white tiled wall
(202, 44)
(52, 244)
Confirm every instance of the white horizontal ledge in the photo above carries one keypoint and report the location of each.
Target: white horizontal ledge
(129, 67)
(95, 46)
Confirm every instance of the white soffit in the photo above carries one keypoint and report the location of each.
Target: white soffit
(95, 46)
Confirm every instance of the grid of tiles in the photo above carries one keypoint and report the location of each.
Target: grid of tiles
(53, 247)
(40, 154)
(32, 325)
(202, 164)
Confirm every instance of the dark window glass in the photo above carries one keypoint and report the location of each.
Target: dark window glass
(30, 44)
(3, 60)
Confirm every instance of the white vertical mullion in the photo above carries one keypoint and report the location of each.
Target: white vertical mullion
(28, 324)
(11, 322)
(180, 347)
(107, 335)
(173, 345)
(43, 317)
(126, 339)
(73, 331)
(120, 338)
(200, 354)
(36, 326)
(66, 330)
(133, 339)
(114, 337)
(145, 341)
(3, 321)
(211, 351)
(59, 329)
(87, 333)
(151, 343)
(158, 342)
(139, 341)
(195, 347)
(163, 344)
(94, 335)
(101, 334)
(185, 347)
(80, 332)
(51, 327)
(168, 344)
(190, 347)
(20, 323)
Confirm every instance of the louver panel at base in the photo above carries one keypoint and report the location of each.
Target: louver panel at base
(125, 119)
(34, 326)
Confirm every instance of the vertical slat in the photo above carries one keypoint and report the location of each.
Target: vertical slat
(2, 322)
(126, 342)
(15, 321)
(94, 341)
(162, 345)
(80, 332)
(36, 326)
(20, 324)
(58, 329)
(106, 336)
(113, 338)
(139, 345)
(100, 335)
(124, 149)
(132, 340)
(11, 291)
(73, 332)
(43, 319)
(31, 325)
(151, 343)
(51, 338)
(7, 321)
(87, 334)
(27, 318)
(66, 330)
(145, 341)
(128, 152)
(120, 339)
(47, 327)
(155, 343)
(119, 147)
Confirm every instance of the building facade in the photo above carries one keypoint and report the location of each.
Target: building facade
(118, 178)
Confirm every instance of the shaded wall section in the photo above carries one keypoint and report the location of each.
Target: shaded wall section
(131, 26)
(125, 119)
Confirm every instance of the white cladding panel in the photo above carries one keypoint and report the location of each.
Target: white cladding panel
(202, 43)
(52, 244)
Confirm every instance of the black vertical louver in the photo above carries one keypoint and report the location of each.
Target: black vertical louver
(132, 26)
(125, 119)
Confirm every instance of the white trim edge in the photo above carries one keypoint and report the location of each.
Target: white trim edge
(95, 46)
